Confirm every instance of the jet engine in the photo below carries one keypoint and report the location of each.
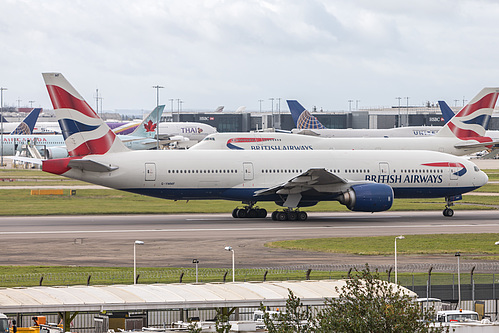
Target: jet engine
(368, 197)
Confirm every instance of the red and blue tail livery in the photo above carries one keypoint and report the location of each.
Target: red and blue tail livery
(84, 132)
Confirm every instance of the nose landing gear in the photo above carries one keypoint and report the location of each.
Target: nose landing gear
(449, 202)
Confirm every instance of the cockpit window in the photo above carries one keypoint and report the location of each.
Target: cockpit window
(476, 168)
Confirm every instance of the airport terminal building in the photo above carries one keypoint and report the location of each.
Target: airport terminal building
(372, 118)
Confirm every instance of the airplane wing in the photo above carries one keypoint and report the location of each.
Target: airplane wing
(89, 165)
(307, 132)
(318, 179)
(25, 159)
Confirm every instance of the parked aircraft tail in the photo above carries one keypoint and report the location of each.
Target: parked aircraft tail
(447, 112)
(471, 121)
(302, 118)
(148, 128)
(85, 133)
(28, 124)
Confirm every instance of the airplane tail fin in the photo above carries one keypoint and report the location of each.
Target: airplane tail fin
(149, 126)
(28, 124)
(302, 118)
(85, 133)
(447, 112)
(471, 122)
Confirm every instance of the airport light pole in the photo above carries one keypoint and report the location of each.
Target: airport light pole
(260, 100)
(229, 248)
(398, 237)
(458, 280)
(137, 242)
(272, 110)
(407, 112)
(398, 120)
(1, 120)
(195, 261)
(157, 87)
(350, 105)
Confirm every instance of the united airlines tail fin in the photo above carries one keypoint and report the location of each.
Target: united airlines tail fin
(470, 122)
(28, 124)
(85, 133)
(302, 118)
(149, 126)
(447, 112)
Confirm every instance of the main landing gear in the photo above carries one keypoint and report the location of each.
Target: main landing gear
(289, 215)
(249, 212)
(448, 212)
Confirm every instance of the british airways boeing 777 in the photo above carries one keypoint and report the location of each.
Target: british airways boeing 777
(362, 180)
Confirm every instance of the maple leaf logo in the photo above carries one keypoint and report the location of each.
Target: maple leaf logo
(150, 126)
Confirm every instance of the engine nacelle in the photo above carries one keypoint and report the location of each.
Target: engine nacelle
(368, 198)
(55, 152)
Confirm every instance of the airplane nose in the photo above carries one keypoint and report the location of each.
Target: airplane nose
(482, 178)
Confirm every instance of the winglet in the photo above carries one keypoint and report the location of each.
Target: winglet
(28, 124)
(302, 118)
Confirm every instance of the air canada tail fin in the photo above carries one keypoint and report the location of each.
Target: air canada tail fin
(302, 118)
(149, 126)
(471, 122)
(85, 133)
(28, 124)
(447, 112)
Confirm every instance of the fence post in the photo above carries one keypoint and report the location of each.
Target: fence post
(41, 280)
(137, 279)
(181, 277)
(225, 275)
(307, 277)
(389, 273)
(88, 280)
(472, 284)
(265, 276)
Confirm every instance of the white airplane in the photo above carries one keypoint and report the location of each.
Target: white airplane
(362, 180)
(462, 135)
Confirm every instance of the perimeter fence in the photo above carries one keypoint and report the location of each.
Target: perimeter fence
(411, 276)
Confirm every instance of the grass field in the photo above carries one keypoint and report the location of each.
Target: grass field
(467, 244)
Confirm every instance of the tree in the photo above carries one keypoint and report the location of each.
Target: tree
(365, 304)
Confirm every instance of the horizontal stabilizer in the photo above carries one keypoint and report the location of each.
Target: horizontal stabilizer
(89, 165)
(485, 144)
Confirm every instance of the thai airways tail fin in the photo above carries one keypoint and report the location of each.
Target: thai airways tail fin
(149, 126)
(28, 124)
(85, 133)
(302, 118)
(447, 112)
(471, 122)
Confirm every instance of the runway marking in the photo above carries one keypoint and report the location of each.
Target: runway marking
(240, 229)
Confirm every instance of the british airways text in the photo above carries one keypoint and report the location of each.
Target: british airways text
(407, 179)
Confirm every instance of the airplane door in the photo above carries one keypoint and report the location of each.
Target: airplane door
(453, 173)
(248, 170)
(150, 171)
(384, 168)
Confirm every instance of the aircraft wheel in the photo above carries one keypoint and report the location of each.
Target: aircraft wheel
(234, 213)
(262, 213)
(241, 213)
(282, 216)
(252, 213)
(292, 216)
(274, 215)
(448, 212)
(302, 216)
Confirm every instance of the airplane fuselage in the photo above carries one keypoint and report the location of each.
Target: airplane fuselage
(238, 175)
(285, 141)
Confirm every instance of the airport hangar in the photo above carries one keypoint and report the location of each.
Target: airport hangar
(68, 302)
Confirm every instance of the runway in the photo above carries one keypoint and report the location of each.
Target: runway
(174, 240)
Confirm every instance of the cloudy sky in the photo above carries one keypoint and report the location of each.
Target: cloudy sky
(237, 52)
